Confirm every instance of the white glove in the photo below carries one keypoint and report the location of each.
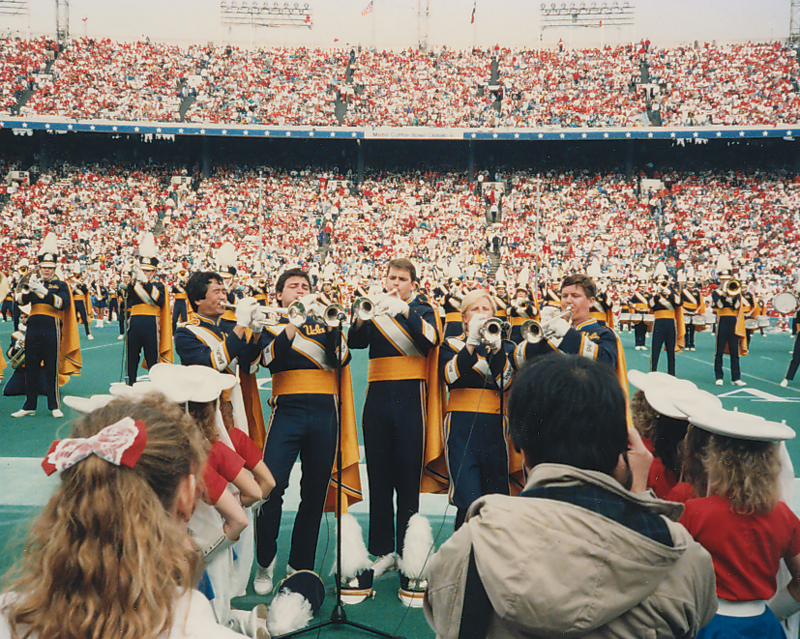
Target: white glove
(37, 286)
(259, 319)
(395, 306)
(138, 274)
(244, 311)
(558, 327)
(474, 329)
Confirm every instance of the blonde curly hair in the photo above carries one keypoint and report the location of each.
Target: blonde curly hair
(744, 472)
(106, 558)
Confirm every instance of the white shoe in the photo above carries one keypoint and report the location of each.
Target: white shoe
(384, 564)
(785, 383)
(121, 337)
(24, 413)
(90, 336)
(719, 382)
(251, 623)
(58, 414)
(740, 382)
(262, 581)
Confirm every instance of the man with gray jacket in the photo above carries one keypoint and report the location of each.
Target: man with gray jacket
(583, 551)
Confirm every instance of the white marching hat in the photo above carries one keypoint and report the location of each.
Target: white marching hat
(662, 391)
(87, 404)
(738, 425)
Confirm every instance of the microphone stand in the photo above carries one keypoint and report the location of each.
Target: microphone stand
(338, 615)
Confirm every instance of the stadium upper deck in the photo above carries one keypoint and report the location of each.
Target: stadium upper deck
(635, 90)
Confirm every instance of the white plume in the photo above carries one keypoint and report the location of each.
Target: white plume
(355, 558)
(226, 255)
(50, 244)
(417, 548)
(288, 611)
(147, 248)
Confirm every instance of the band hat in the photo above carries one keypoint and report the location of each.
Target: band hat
(660, 391)
(740, 425)
(661, 271)
(226, 260)
(48, 253)
(25, 309)
(299, 598)
(148, 259)
(87, 404)
(190, 383)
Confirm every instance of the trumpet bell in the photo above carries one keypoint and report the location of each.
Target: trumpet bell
(491, 329)
(333, 315)
(364, 309)
(532, 331)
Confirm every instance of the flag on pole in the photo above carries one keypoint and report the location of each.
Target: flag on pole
(472, 19)
(368, 9)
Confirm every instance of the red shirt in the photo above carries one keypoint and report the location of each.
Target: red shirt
(661, 479)
(245, 448)
(746, 549)
(222, 466)
(681, 492)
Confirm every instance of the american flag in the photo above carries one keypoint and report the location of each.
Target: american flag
(368, 8)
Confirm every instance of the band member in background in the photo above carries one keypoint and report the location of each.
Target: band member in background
(122, 303)
(99, 293)
(82, 301)
(150, 327)
(51, 337)
(726, 301)
(329, 293)
(180, 311)
(477, 368)
(751, 309)
(303, 354)
(402, 413)
(501, 301)
(693, 305)
(637, 304)
(226, 268)
(602, 310)
(668, 327)
(452, 307)
(521, 308)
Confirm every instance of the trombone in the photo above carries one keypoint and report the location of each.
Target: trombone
(534, 332)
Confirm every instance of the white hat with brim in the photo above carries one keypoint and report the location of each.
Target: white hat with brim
(86, 404)
(741, 425)
(190, 383)
(660, 390)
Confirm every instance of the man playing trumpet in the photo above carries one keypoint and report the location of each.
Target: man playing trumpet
(581, 335)
(731, 334)
(668, 327)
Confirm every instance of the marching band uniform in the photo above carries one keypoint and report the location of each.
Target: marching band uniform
(551, 297)
(150, 328)
(602, 310)
(731, 335)
(521, 311)
(750, 308)
(304, 421)
(475, 432)
(83, 305)
(501, 301)
(638, 304)
(794, 363)
(401, 420)
(693, 304)
(101, 296)
(180, 305)
(16, 383)
(452, 310)
(51, 338)
(8, 303)
(668, 328)
(123, 311)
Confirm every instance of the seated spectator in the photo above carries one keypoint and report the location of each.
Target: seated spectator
(110, 554)
(630, 569)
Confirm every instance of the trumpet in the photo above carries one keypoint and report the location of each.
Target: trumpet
(662, 289)
(534, 332)
(23, 285)
(296, 313)
(491, 330)
(333, 315)
(364, 309)
(732, 288)
(182, 276)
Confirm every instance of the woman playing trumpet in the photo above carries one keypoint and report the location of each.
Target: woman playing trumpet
(477, 368)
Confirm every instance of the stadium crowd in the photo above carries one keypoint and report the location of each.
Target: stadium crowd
(721, 84)
(320, 220)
